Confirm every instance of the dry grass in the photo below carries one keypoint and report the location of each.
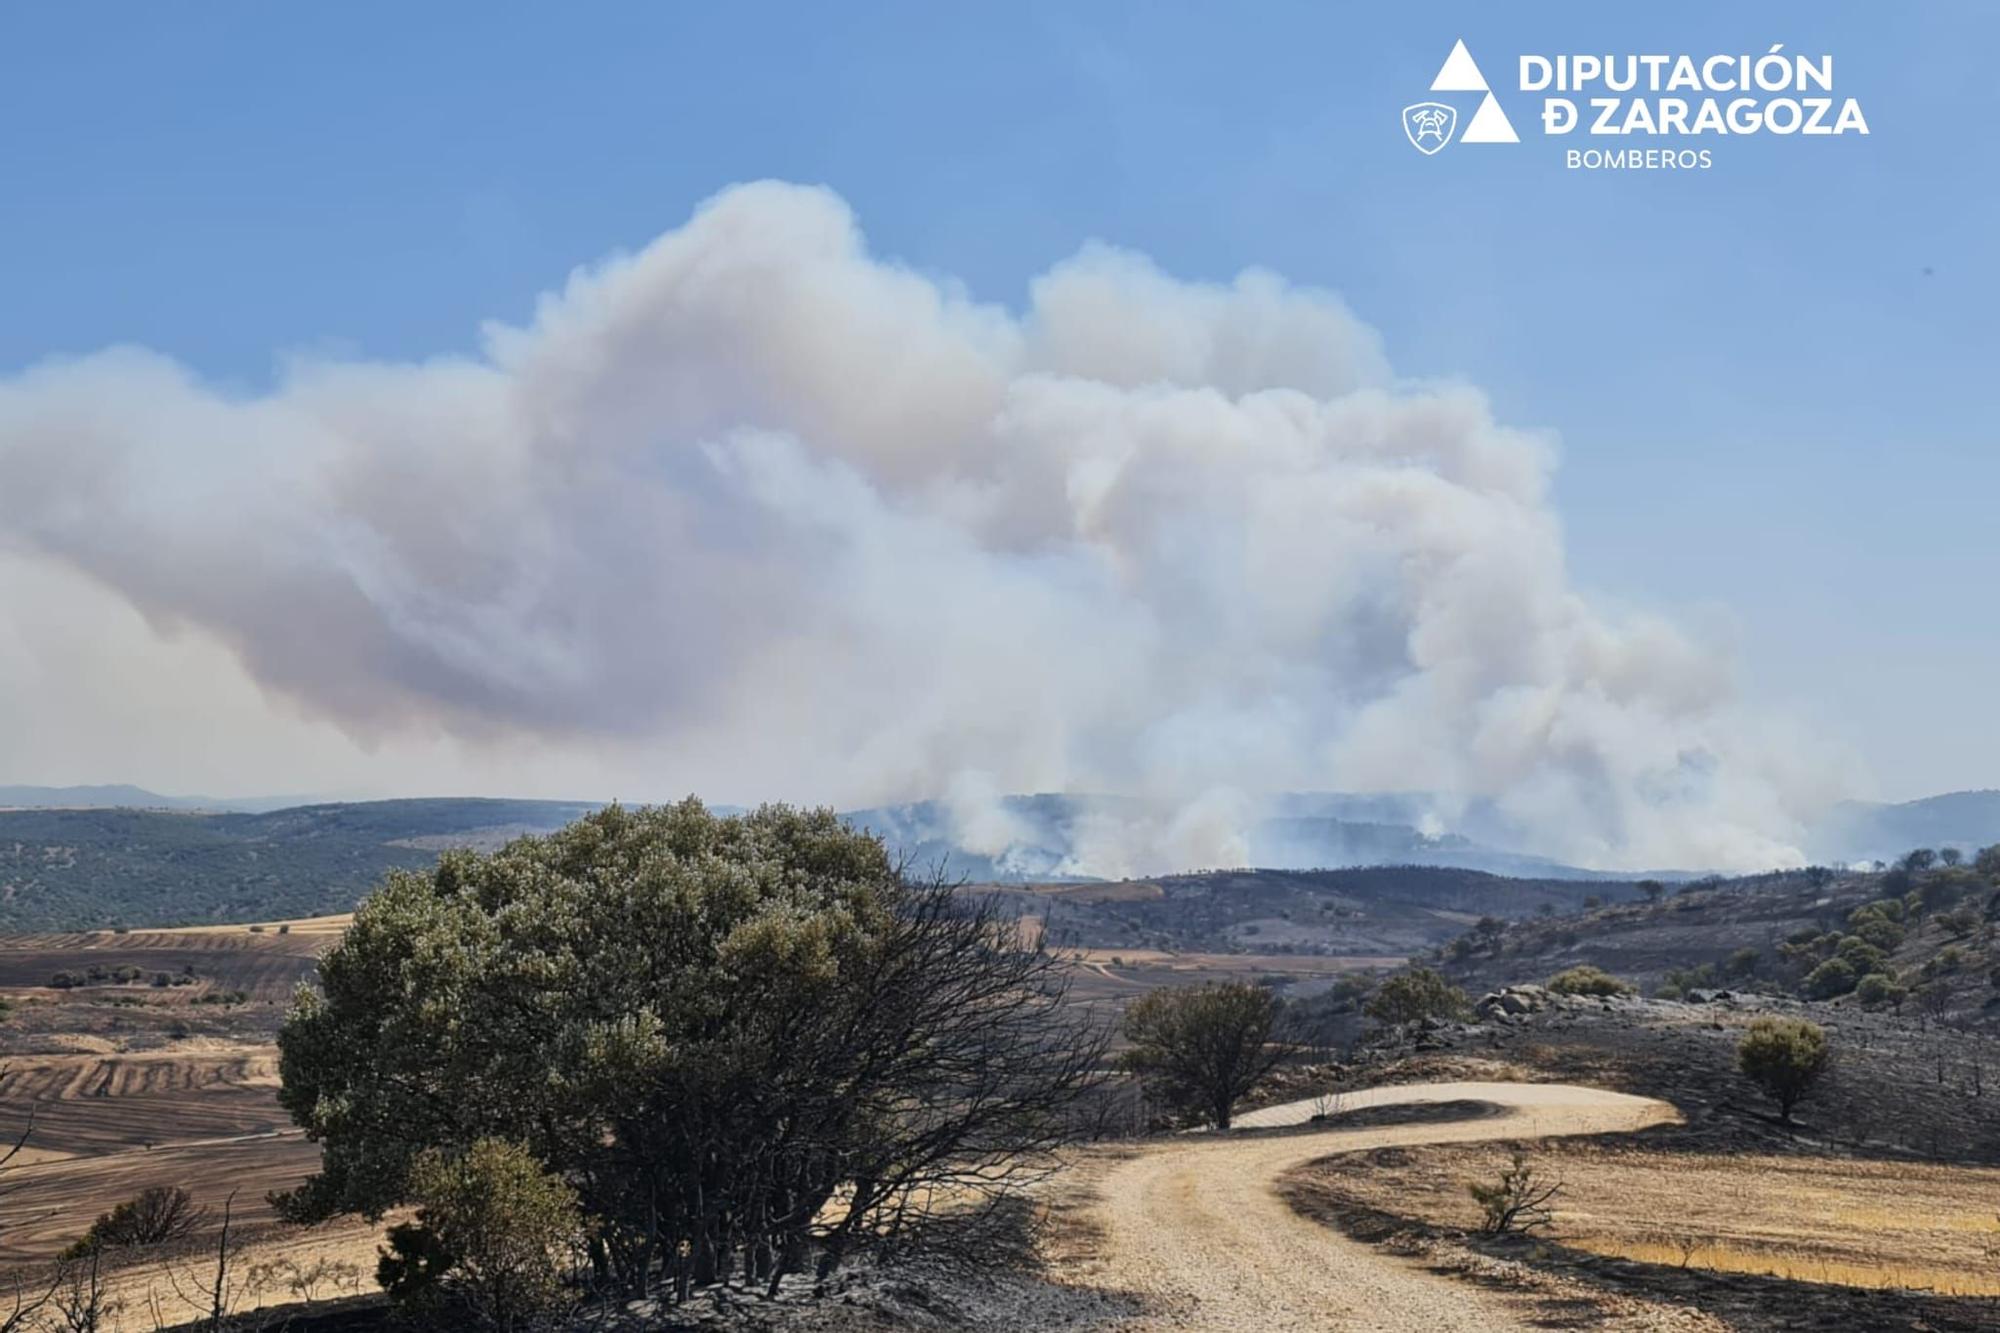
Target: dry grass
(1833, 1221)
(135, 1085)
(1796, 1265)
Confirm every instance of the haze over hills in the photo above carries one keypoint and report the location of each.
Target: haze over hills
(119, 855)
(1866, 831)
(1051, 836)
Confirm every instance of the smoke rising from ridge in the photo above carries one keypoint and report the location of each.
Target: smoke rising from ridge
(808, 522)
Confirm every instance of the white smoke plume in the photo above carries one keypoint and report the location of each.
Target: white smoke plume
(795, 520)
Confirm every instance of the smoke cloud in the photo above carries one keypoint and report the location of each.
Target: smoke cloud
(788, 519)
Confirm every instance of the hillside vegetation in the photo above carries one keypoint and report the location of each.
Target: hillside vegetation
(1367, 910)
(1919, 937)
(78, 869)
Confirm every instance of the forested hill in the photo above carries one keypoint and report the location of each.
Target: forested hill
(81, 868)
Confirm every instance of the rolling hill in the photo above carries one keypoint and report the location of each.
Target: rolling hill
(1856, 831)
(73, 869)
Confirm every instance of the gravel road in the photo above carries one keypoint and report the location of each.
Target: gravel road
(1195, 1231)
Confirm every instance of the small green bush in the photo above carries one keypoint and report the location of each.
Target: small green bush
(1860, 955)
(1879, 931)
(491, 1239)
(1416, 994)
(1836, 976)
(1680, 980)
(1584, 979)
(1784, 1057)
(1877, 989)
(1518, 1201)
(1949, 959)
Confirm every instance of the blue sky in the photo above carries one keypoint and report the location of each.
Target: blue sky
(1770, 379)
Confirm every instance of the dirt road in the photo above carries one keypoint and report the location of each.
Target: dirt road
(1196, 1232)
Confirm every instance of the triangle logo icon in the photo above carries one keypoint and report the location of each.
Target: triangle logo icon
(1489, 124)
(1459, 74)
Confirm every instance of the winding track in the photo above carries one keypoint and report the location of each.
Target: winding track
(1196, 1230)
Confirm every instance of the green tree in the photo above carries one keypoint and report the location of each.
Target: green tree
(1859, 954)
(1785, 1057)
(1203, 1047)
(1878, 988)
(1651, 888)
(494, 1233)
(1877, 929)
(740, 1039)
(1987, 862)
(1836, 976)
(1417, 994)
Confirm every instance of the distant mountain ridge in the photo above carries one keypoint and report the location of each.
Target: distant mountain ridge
(125, 796)
(1857, 831)
(111, 855)
(1051, 834)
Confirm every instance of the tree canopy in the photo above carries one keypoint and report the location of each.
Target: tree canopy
(1417, 994)
(1204, 1047)
(1785, 1057)
(713, 1028)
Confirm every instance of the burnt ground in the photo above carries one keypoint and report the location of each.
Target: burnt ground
(1900, 1090)
(1744, 932)
(1899, 1085)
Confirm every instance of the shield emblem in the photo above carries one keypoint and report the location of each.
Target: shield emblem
(1429, 125)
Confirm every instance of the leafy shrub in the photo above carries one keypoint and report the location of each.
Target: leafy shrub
(1960, 921)
(151, 1217)
(1784, 1057)
(1860, 955)
(1584, 979)
(1886, 909)
(1878, 988)
(1742, 963)
(492, 1238)
(1409, 997)
(1947, 960)
(1877, 930)
(1680, 980)
(1519, 1200)
(1836, 976)
(1204, 1047)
